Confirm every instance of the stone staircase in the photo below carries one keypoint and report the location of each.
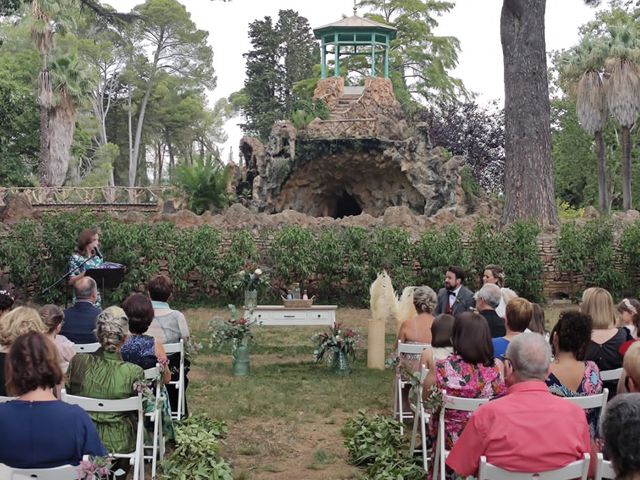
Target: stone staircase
(348, 98)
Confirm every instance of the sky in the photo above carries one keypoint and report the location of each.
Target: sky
(476, 23)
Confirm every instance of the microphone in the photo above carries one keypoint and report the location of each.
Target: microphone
(97, 252)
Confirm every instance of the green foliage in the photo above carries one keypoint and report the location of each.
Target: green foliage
(567, 212)
(376, 443)
(205, 184)
(390, 249)
(630, 257)
(437, 250)
(572, 253)
(522, 260)
(470, 187)
(301, 118)
(293, 255)
(196, 456)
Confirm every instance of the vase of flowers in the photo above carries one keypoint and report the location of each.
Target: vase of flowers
(250, 282)
(237, 331)
(337, 347)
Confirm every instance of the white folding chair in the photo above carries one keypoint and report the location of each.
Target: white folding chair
(65, 472)
(577, 469)
(450, 403)
(157, 445)
(589, 402)
(604, 469)
(131, 404)
(171, 348)
(420, 417)
(398, 409)
(86, 347)
(615, 374)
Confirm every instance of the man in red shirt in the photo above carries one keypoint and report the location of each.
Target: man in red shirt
(529, 429)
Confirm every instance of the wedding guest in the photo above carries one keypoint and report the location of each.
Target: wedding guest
(39, 431)
(53, 317)
(629, 310)
(6, 301)
(169, 326)
(538, 323)
(571, 375)
(80, 318)
(417, 330)
(621, 430)
(141, 349)
(518, 317)
(17, 322)
(495, 274)
(487, 300)
(441, 346)
(470, 372)
(606, 338)
(103, 374)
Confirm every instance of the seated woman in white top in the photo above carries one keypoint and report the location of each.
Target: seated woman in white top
(168, 326)
(441, 347)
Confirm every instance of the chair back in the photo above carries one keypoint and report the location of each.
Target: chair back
(604, 469)
(577, 469)
(152, 373)
(411, 348)
(86, 347)
(171, 348)
(177, 347)
(65, 472)
(131, 404)
(588, 402)
(607, 375)
(7, 399)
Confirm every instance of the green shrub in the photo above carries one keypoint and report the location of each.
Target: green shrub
(204, 183)
(292, 255)
(376, 443)
(196, 456)
(601, 269)
(437, 250)
(391, 249)
(522, 262)
(572, 253)
(630, 257)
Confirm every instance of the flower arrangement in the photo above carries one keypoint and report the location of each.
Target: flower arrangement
(247, 280)
(337, 339)
(237, 329)
(97, 468)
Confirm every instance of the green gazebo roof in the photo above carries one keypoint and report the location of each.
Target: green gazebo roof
(355, 24)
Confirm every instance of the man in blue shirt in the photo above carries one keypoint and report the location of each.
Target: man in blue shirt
(80, 319)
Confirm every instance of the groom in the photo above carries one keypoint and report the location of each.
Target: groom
(454, 298)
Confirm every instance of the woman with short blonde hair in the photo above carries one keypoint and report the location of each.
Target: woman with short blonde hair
(17, 322)
(606, 338)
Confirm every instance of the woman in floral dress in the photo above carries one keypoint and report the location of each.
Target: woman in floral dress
(470, 372)
(85, 258)
(571, 375)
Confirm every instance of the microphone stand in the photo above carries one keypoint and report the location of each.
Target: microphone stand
(66, 275)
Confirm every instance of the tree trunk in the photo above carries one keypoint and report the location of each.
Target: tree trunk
(627, 200)
(603, 192)
(44, 155)
(62, 126)
(529, 190)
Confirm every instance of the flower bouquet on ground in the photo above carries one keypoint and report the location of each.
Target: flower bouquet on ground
(236, 330)
(337, 347)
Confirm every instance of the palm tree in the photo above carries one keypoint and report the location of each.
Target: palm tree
(623, 93)
(584, 71)
(71, 81)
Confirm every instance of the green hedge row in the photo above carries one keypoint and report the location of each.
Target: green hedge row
(592, 254)
(337, 265)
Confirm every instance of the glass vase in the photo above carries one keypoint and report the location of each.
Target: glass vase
(250, 299)
(240, 357)
(340, 363)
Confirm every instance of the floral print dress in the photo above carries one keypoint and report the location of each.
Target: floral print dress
(591, 385)
(466, 380)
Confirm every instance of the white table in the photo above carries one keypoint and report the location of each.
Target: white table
(278, 315)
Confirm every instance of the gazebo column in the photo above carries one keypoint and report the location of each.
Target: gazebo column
(336, 72)
(373, 57)
(386, 61)
(323, 60)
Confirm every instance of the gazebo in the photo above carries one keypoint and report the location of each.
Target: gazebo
(354, 36)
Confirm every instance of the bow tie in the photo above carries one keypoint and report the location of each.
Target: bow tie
(452, 293)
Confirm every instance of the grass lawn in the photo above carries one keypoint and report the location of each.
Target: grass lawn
(285, 418)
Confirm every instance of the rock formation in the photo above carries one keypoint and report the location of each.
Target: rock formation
(363, 159)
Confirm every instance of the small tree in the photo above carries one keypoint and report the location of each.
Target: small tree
(205, 183)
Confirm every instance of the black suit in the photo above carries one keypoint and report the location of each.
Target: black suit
(463, 303)
(496, 323)
(80, 322)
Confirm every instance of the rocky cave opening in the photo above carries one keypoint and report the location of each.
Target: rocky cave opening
(346, 206)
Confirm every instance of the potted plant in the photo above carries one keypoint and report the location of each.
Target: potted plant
(337, 347)
(236, 329)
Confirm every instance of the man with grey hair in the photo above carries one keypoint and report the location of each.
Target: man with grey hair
(487, 300)
(621, 428)
(80, 319)
(529, 429)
